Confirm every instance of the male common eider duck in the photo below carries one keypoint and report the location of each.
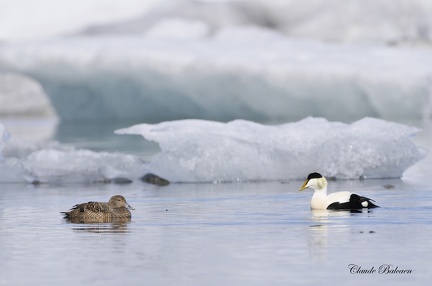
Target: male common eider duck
(115, 208)
(335, 201)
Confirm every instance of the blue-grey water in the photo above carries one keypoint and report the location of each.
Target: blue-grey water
(215, 234)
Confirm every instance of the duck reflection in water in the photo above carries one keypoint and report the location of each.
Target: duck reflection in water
(102, 226)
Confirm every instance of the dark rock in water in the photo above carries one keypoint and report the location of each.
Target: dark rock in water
(154, 179)
(120, 181)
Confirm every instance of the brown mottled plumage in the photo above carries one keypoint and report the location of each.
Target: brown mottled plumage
(115, 208)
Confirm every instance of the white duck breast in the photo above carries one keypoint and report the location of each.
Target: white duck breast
(338, 201)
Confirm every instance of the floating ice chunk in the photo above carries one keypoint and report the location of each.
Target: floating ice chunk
(4, 136)
(205, 151)
(52, 162)
(61, 164)
(209, 151)
(50, 165)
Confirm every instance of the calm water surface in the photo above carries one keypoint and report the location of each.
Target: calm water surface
(215, 234)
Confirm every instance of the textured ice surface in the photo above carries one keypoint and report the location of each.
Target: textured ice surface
(203, 151)
(79, 166)
(61, 165)
(52, 162)
(208, 151)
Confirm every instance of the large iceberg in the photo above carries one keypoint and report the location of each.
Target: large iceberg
(238, 151)
(206, 151)
(266, 61)
(250, 74)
